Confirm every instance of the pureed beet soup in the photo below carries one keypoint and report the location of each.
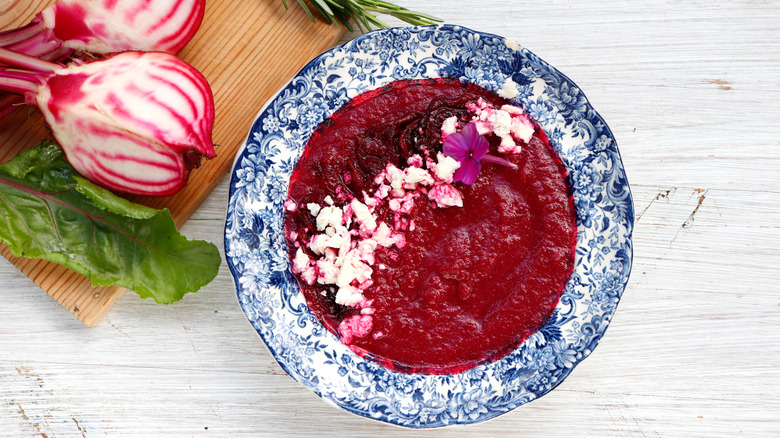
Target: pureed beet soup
(409, 268)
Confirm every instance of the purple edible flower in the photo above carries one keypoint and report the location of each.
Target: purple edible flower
(469, 148)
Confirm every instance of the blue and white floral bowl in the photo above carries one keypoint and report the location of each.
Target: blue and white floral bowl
(257, 253)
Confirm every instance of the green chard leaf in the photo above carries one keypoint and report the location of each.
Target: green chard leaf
(48, 211)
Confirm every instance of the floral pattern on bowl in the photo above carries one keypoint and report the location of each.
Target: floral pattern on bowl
(257, 255)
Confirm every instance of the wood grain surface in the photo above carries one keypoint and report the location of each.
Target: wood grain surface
(246, 50)
(691, 90)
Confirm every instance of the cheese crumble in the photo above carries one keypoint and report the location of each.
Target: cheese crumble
(349, 233)
(509, 123)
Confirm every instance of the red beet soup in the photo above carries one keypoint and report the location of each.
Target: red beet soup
(443, 289)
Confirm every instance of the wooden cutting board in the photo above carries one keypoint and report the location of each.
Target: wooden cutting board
(247, 49)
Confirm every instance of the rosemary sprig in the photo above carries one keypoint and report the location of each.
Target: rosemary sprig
(361, 12)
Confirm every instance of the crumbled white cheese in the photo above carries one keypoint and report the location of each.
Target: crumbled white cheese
(319, 243)
(328, 271)
(353, 269)
(363, 215)
(367, 250)
(348, 236)
(407, 203)
(289, 205)
(483, 127)
(445, 195)
(314, 208)
(395, 177)
(445, 167)
(416, 175)
(355, 326)
(300, 262)
(503, 122)
(512, 110)
(329, 216)
(348, 296)
(384, 235)
(309, 275)
(415, 161)
(347, 273)
(522, 128)
(450, 126)
(509, 89)
(507, 144)
(382, 191)
(337, 240)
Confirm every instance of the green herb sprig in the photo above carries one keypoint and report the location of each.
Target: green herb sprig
(361, 12)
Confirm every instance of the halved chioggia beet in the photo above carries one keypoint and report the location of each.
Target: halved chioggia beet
(107, 26)
(100, 27)
(135, 122)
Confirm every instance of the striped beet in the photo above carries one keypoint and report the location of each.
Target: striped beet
(107, 26)
(135, 122)
(101, 27)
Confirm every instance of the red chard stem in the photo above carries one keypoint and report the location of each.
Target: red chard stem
(20, 60)
(15, 36)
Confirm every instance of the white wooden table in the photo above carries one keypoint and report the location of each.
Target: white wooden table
(691, 90)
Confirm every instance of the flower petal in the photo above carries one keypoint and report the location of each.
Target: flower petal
(477, 144)
(470, 130)
(467, 172)
(456, 146)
